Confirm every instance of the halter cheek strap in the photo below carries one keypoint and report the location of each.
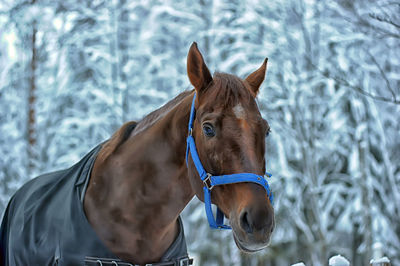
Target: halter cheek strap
(210, 181)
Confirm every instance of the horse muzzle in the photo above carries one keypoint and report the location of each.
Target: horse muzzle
(252, 228)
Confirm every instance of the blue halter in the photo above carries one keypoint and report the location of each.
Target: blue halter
(210, 181)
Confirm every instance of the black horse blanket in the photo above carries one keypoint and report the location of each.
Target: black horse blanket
(45, 224)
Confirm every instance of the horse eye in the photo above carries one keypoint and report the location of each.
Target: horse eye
(208, 130)
(268, 132)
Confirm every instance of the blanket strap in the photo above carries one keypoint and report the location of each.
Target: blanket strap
(93, 261)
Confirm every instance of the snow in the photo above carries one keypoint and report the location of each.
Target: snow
(299, 264)
(10, 39)
(381, 260)
(338, 260)
(333, 151)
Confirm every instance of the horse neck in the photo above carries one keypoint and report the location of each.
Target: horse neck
(135, 195)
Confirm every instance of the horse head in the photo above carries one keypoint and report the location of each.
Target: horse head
(229, 134)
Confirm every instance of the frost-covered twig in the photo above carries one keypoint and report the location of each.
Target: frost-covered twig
(383, 19)
(346, 83)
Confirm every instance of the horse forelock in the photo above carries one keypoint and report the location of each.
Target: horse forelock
(228, 91)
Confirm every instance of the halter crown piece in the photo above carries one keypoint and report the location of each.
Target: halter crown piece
(210, 181)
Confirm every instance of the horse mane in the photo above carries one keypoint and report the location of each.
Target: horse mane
(124, 132)
(154, 116)
(119, 137)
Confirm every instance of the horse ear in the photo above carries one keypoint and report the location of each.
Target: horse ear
(198, 73)
(257, 77)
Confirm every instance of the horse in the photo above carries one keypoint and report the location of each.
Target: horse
(121, 204)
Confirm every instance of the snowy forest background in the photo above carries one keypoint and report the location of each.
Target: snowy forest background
(71, 72)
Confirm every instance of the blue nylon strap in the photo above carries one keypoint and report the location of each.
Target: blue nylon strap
(192, 114)
(220, 217)
(207, 203)
(237, 178)
(190, 127)
(211, 181)
(240, 178)
(195, 157)
(210, 216)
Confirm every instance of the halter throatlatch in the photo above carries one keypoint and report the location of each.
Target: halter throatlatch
(210, 181)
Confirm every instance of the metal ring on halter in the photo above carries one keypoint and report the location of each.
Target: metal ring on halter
(99, 262)
(207, 182)
(114, 263)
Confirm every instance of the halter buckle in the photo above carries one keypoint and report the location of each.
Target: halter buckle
(207, 182)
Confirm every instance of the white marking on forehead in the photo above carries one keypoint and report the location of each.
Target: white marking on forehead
(239, 111)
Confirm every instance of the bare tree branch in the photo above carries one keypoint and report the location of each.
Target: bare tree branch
(346, 83)
(359, 89)
(384, 19)
(383, 75)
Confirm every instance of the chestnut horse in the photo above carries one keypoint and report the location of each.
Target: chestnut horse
(140, 180)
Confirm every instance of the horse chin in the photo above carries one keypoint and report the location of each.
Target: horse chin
(247, 249)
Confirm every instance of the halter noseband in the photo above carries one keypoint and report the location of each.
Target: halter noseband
(210, 181)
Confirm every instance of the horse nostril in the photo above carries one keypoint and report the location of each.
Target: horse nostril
(257, 220)
(245, 223)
